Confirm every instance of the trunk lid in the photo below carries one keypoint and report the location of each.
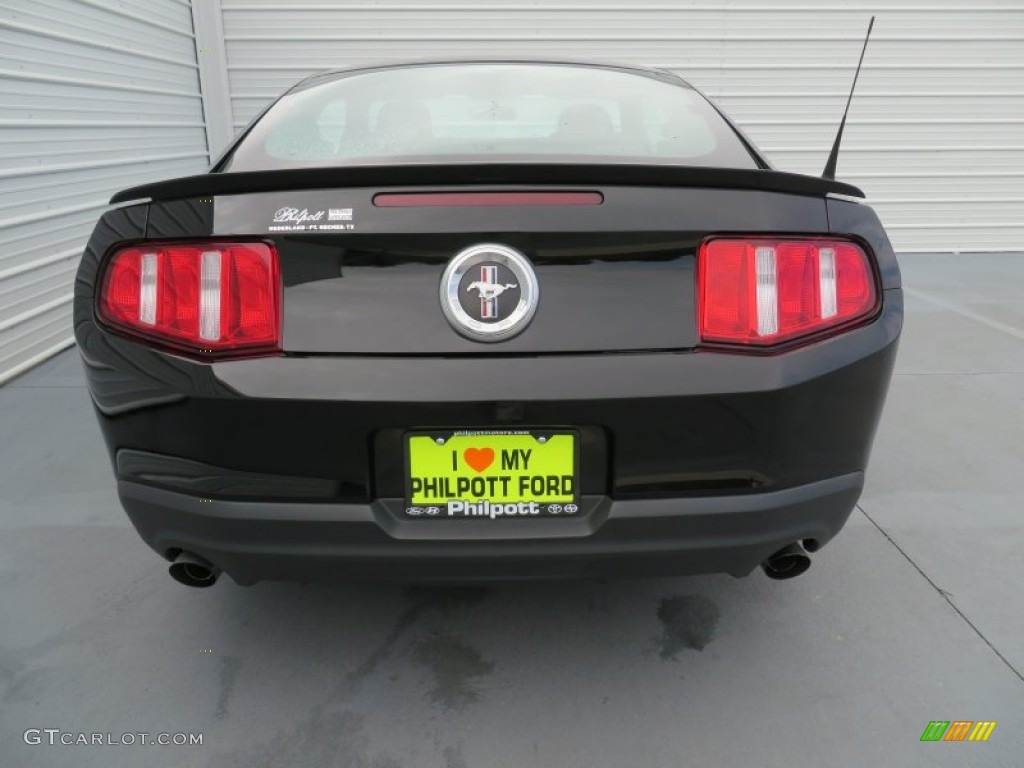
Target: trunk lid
(363, 279)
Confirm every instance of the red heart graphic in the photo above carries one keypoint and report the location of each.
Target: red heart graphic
(479, 458)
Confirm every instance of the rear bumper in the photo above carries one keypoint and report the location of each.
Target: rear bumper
(255, 541)
(690, 462)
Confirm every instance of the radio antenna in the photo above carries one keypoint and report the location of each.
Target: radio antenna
(833, 157)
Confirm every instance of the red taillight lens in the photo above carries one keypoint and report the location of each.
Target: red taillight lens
(765, 291)
(207, 298)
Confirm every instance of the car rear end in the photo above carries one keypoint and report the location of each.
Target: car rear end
(281, 388)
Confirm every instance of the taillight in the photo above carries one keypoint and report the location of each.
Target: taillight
(206, 298)
(763, 291)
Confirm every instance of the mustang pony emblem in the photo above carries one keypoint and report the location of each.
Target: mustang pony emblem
(490, 291)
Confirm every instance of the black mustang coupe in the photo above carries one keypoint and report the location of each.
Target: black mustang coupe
(474, 320)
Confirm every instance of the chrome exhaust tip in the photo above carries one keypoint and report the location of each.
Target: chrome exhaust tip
(193, 571)
(787, 562)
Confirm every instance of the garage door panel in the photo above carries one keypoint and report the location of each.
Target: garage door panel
(811, 106)
(951, 212)
(28, 291)
(96, 96)
(69, 187)
(30, 342)
(20, 100)
(956, 238)
(106, 26)
(821, 133)
(69, 144)
(976, 184)
(101, 155)
(115, 70)
(907, 157)
(934, 77)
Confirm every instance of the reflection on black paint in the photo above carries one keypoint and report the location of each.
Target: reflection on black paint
(181, 218)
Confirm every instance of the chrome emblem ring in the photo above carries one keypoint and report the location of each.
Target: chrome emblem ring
(489, 292)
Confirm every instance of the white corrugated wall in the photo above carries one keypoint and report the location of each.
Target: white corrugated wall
(95, 95)
(936, 131)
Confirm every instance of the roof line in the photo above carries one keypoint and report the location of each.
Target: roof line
(656, 71)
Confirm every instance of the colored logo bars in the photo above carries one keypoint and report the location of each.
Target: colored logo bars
(488, 300)
(958, 730)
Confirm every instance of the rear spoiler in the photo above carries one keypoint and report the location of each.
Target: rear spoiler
(626, 174)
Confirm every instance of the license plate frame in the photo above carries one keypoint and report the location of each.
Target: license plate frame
(548, 449)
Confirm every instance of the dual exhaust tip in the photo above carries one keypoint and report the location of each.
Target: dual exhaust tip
(193, 571)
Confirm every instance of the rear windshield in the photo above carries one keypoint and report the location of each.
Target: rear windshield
(490, 112)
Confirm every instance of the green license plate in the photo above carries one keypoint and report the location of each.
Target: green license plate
(492, 474)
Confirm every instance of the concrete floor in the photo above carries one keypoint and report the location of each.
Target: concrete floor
(914, 613)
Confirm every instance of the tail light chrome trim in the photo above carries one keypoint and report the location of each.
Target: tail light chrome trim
(147, 289)
(209, 296)
(767, 291)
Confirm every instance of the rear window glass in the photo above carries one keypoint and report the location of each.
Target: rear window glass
(489, 112)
